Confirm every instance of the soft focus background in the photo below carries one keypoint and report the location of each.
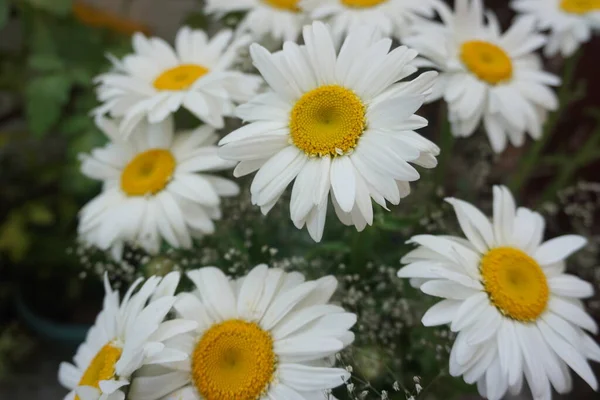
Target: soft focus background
(50, 291)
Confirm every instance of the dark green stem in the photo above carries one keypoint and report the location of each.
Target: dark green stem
(531, 159)
(589, 152)
(446, 142)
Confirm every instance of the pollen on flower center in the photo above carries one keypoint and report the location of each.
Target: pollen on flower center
(487, 61)
(580, 6)
(180, 77)
(362, 3)
(328, 120)
(233, 360)
(288, 5)
(102, 367)
(515, 283)
(148, 173)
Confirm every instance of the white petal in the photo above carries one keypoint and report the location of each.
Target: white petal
(559, 248)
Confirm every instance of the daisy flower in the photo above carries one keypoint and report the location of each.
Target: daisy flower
(339, 123)
(392, 17)
(571, 22)
(125, 337)
(279, 19)
(155, 185)
(517, 313)
(156, 80)
(485, 75)
(268, 335)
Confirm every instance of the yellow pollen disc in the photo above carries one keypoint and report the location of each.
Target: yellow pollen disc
(288, 5)
(327, 120)
(101, 368)
(515, 283)
(180, 77)
(362, 3)
(487, 61)
(148, 173)
(234, 360)
(580, 6)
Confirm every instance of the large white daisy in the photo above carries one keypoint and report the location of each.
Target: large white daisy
(571, 22)
(392, 17)
(156, 80)
(124, 338)
(333, 121)
(486, 75)
(279, 19)
(516, 312)
(268, 335)
(156, 185)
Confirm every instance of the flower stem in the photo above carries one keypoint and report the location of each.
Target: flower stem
(446, 142)
(531, 159)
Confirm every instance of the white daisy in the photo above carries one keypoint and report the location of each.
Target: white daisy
(156, 80)
(571, 22)
(487, 75)
(279, 19)
(156, 185)
(268, 335)
(516, 312)
(124, 338)
(333, 121)
(392, 17)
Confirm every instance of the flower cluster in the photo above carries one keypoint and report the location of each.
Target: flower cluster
(334, 117)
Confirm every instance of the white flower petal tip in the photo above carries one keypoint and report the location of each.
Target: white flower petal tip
(367, 152)
(511, 96)
(516, 313)
(176, 203)
(157, 80)
(274, 323)
(568, 30)
(391, 18)
(126, 336)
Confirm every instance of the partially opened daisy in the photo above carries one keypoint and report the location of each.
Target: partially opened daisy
(279, 19)
(487, 76)
(336, 123)
(517, 313)
(156, 186)
(392, 17)
(268, 335)
(570, 22)
(156, 80)
(126, 336)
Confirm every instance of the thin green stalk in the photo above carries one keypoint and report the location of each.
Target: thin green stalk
(531, 159)
(446, 142)
(588, 153)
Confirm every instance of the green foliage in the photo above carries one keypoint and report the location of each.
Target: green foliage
(4, 12)
(46, 96)
(57, 7)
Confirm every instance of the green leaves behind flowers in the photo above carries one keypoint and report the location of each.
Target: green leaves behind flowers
(46, 95)
(56, 7)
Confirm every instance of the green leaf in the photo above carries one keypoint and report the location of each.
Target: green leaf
(45, 97)
(39, 214)
(4, 12)
(14, 239)
(56, 7)
(46, 62)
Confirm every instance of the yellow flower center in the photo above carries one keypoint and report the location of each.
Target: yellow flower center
(580, 6)
(362, 3)
(327, 120)
(288, 5)
(234, 360)
(180, 77)
(487, 61)
(101, 368)
(148, 173)
(515, 283)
